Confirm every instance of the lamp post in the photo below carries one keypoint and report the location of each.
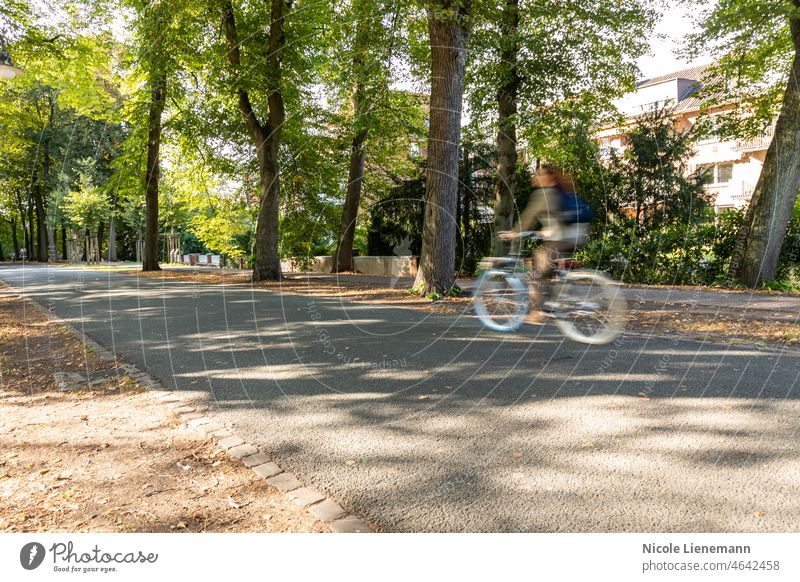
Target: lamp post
(7, 70)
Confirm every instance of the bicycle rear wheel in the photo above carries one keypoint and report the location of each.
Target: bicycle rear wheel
(589, 307)
(501, 300)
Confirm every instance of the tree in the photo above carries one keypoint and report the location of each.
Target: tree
(87, 207)
(69, 83)
(536, 63)
(372, 47)
(656, 184)
(448, 28)
(266, 136)
(757, 46)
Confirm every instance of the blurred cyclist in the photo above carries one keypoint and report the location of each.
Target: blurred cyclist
(562, 227)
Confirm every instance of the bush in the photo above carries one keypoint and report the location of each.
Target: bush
(696, 253)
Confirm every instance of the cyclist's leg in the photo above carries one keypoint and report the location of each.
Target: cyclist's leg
(543, 264)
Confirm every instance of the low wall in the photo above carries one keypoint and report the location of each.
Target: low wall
(383, 266)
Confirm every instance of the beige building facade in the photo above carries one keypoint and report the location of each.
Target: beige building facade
(734, 166)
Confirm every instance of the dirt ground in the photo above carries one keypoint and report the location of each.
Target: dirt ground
(110, 458)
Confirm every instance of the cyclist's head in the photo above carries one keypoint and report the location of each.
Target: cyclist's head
(551, 175)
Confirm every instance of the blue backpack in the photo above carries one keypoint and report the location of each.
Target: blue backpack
(574, 208)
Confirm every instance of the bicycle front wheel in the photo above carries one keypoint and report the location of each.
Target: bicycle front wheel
(501, 300)
(589, 308)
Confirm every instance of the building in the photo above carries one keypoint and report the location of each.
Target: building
(733, 165)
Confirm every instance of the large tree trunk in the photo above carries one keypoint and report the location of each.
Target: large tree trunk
(343, 259)
(63, 242)
(448, 39)
(761, 238)
(158, 94)
(266, 139)
(507, 126)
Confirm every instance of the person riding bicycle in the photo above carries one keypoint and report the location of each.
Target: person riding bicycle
(562, 229)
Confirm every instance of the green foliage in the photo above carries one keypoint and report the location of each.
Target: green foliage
(783, 285)
(572, 58)
(87, 206)
(752, 50)
(653, 179)
(789, 264)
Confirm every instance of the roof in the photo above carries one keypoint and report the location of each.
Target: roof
(692, 73)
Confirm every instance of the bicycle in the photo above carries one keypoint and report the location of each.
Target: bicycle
(586, 306)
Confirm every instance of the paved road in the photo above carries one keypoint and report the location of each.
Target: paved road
(429, 423)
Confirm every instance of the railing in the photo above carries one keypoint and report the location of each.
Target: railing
(759, 142)
(733, 192)
(746, 192)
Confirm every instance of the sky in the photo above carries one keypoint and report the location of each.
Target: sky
(669, 34)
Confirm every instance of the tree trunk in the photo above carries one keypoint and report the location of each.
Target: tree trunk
(14, 241)
(32, 248)
(100, 241)
(266, 139)
(448, 39)
(158, 94)
(343, 260)
(25, 234)
(63, 242)
(506, 126)
(41, 208)
(758, 249)
(112, 240)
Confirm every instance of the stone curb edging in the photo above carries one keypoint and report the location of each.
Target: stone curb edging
(317, 504)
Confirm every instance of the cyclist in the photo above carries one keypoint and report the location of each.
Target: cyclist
(560, 234)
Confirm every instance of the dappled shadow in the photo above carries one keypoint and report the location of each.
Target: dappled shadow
(429, 422)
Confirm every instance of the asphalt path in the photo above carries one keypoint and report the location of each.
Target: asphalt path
(426, 422)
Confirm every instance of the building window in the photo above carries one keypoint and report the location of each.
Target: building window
(724, 173)
(717, 173)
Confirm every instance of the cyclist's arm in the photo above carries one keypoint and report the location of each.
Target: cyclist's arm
(544, 203)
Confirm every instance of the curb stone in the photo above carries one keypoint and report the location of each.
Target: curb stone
(323, 508)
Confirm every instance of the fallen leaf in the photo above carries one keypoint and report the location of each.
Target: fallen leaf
(84, 417)
(350, 462)
(760, 513)
(423, 397)
(180, 525)
(232, 503)
(44, 471)
(267, 517)
(517, 475)
(516, 454)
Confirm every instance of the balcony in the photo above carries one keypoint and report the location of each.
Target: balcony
(735, 194)
(759, 142)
